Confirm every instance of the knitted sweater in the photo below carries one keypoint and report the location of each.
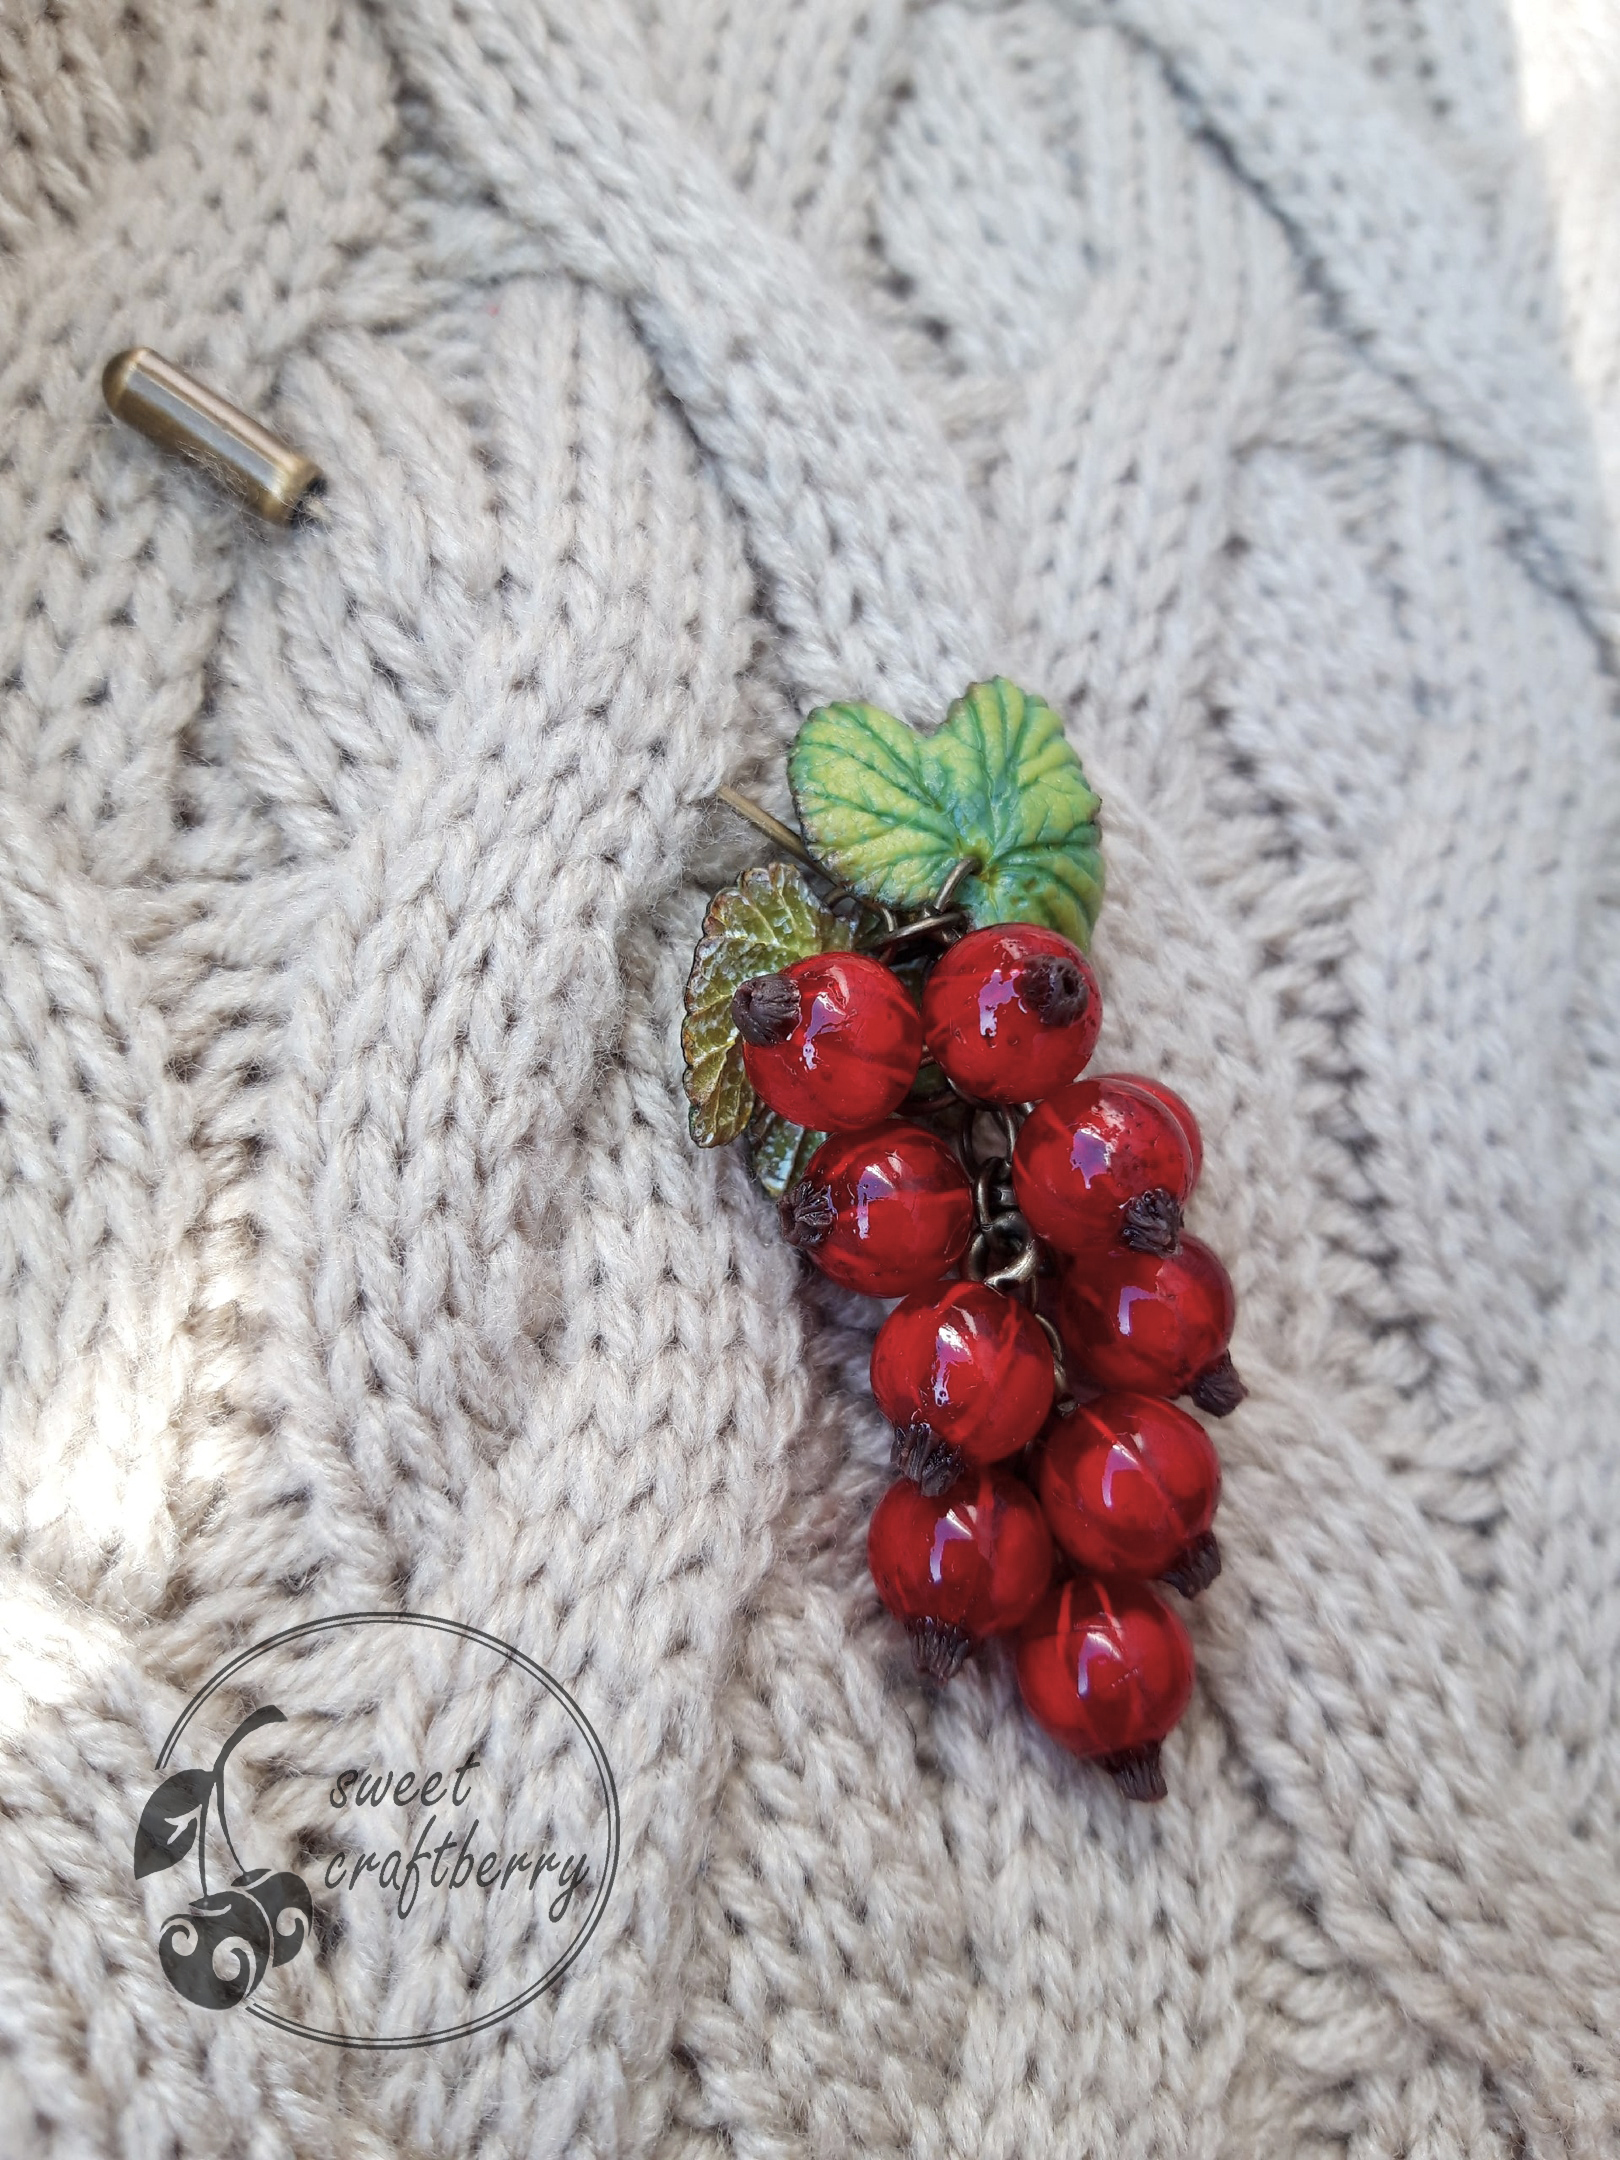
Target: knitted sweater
(1242, 375)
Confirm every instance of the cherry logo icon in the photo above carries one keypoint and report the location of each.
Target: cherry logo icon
(217, 1951)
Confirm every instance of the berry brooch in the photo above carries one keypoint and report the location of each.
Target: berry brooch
(895, 1023)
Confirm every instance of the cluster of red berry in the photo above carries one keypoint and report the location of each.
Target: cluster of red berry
(1053, 1306)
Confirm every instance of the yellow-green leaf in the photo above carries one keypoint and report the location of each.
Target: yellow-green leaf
(890, 811)
(763, 923)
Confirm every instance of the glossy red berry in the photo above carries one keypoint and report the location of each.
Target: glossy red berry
(1107, 1669)
(1155, 1323)
(885, 1211)
(1101, 1164)
(1177, 1108)
(832, 1043)
(969, 1563)
(1129, 1486)
(1011, 1013)
(964, 1374)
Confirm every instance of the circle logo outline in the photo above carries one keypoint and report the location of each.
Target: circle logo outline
(394, 2042)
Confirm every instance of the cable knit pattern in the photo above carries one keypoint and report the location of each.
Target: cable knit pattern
(1245, 376)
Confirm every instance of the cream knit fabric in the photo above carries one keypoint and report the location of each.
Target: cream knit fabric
(1244, 376)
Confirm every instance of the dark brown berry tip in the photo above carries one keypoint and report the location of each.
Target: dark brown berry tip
(1152, 1222)
(938, 1648)
(1218, 1388)
(806, 1214)
(766, 1009)
(917, 1452)
(1137, 1772)
(1197, 1567)
(1054, 988)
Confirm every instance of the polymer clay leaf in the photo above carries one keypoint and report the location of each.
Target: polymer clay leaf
(890, 811)
(778, 1153)
(763, 923)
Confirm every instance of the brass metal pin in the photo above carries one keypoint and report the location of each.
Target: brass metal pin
(773, 828)
(186, 418)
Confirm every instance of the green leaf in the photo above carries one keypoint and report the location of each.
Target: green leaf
(779, 1153)
(890, 811)
(763, 923)
(930, 1082)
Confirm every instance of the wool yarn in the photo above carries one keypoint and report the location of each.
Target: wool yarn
(1245, 376)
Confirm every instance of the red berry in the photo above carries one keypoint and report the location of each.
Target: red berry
(1107, 1669)
(1177, 1108)
(1011, 1013)
(1154, 1323)
(964, 1374)
(884, 1211)
(832, 1043)
(1102, 1164)
(971, 1562)
(1129, 1486)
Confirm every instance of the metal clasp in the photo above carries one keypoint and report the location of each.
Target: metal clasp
(186, 418)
